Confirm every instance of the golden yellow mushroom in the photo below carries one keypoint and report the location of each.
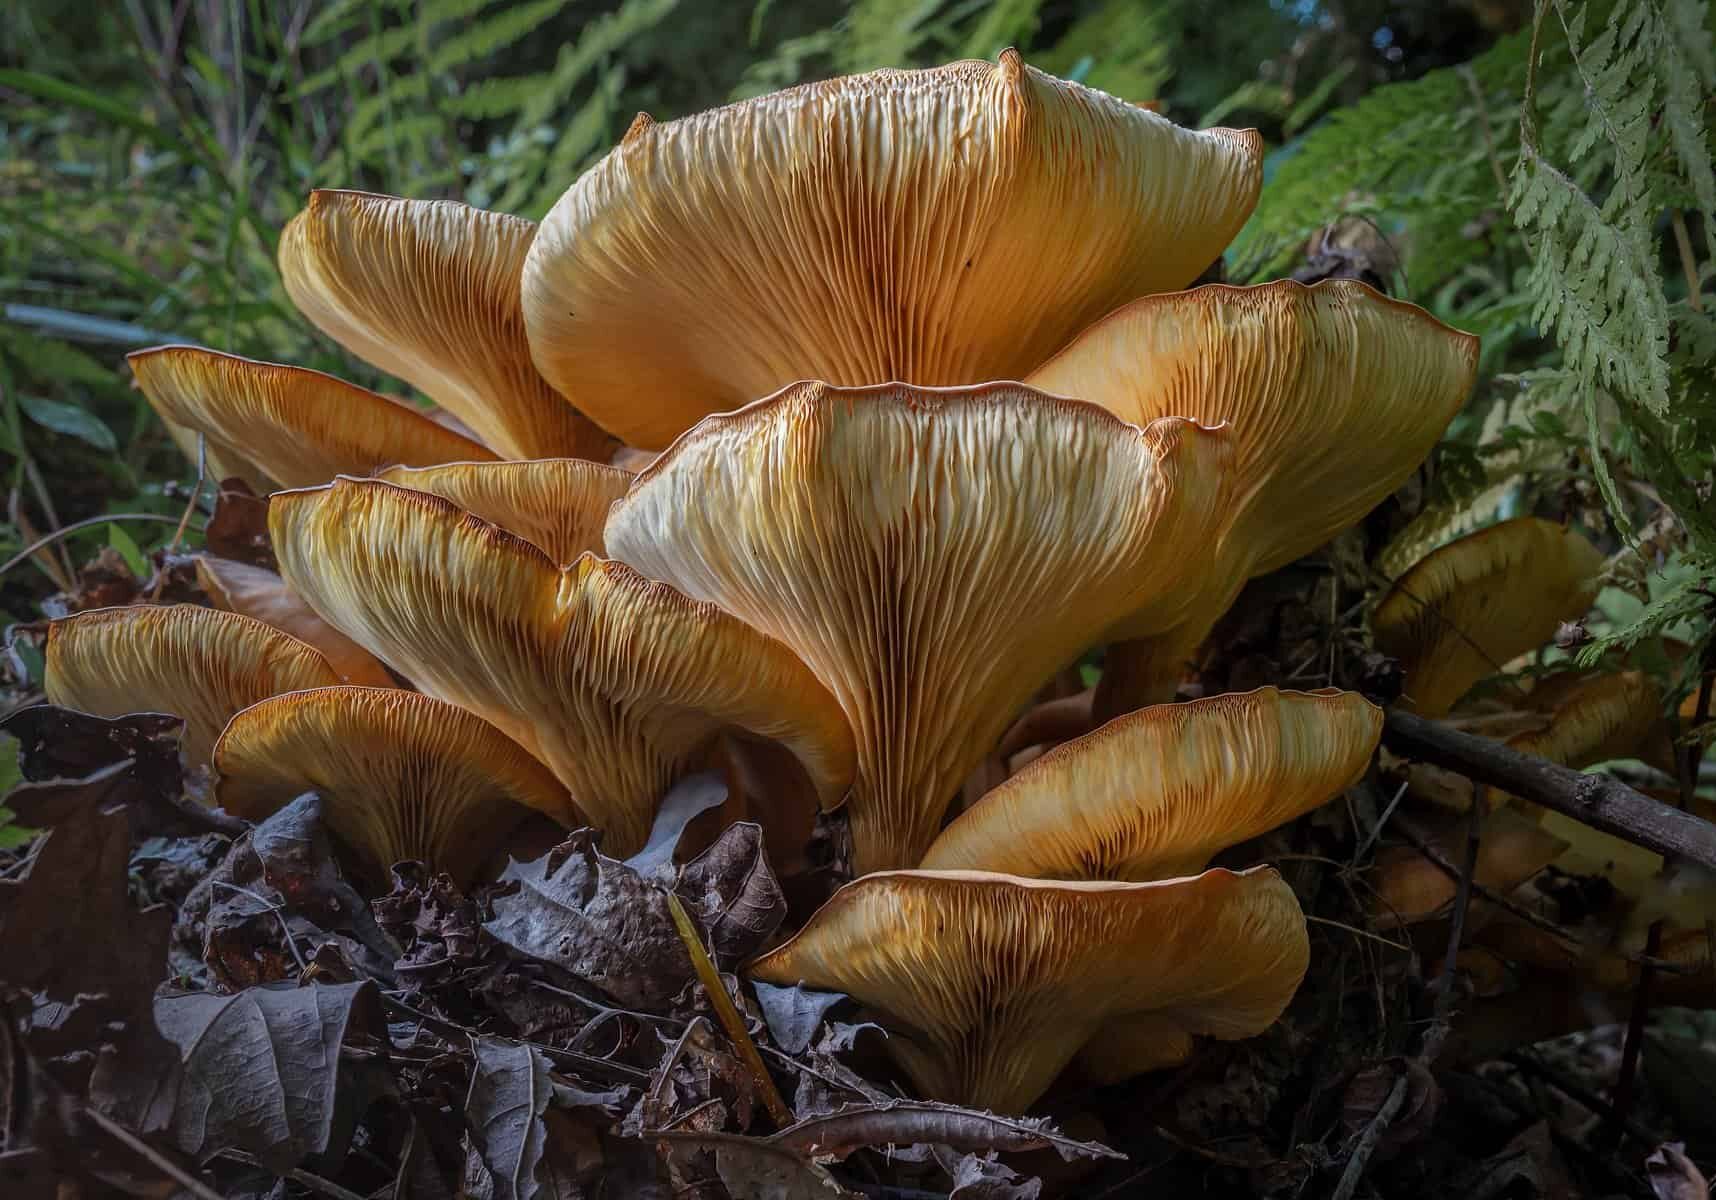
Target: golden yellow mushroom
(428, 290)
(934, 555)
(401, 775)
(937, 227)
(299, 427)
(616, 682)
(201, 664)
(989, 984)
(1155, 793)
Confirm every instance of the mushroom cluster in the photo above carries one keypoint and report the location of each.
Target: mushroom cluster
(921, 417)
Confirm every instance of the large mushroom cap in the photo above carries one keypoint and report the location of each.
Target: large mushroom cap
(614, 681)
(559, 505)
(1155, 793)
(1590, 719)
(428, 290)
(943, 226)
(260, 593)
(1410, 887)
(990, 984)
(933, 554)
(1481, 600)
(402, 775)
(300, 427)
(201, 664)
(1335, 394)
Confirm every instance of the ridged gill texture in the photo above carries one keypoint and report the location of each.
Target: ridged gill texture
(934, 555)
(1466, 609)
(428, 290)
(260, 593)
(1155, 793)
(612, 680)
(1334, 394)
(937, 227)
(989, 984)
(401, 775)
(559, 505)
(201, 664)
(1594, 718)
(300, 427)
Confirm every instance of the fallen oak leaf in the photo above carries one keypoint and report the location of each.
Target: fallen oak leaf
(924, 1122)
(684, 802)
(981, 1177)
(238, 527)
(263, 1070)
(731, 891)
(509, 1093)
(758, 1168)
(793, 1014)
(596, 918)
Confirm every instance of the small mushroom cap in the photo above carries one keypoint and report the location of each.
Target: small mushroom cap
(935, 555)
(403, 775)
(1335, 393)
(559, 505)
(260, 593)
(1512, 849)
(198, 663)
(1219, 771)
(299, 426)
(614, 681)
(990, 984)
(940, 227)
(428, 290)
(1595, 718)
(1481, 600)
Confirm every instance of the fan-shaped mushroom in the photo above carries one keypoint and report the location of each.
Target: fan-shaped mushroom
(614, 681)
(201, 664)
(299, 427)
(1155, 793)
(990, 984)
(402, 775)
(428, 290)
(933, 554)
(1479, 601)
(260, 593)
(1335, 394)
(557, 504)
(945, 226)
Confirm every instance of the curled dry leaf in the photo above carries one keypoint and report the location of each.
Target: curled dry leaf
(923, 1122)
(238, 528)
(503, 1111)
(757, 1169)
(1673, 1176)
(597, 918)
(264, 1070)
(793, 1014)
(732, 892)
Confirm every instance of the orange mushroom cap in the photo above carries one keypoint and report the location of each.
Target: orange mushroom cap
(260, 593)
(934, 555)
(201, 664)
(428, 290)
(298, 426)
(614, 681)
(989, 985)
(941, 227)
(1155, 793)
(402, 775)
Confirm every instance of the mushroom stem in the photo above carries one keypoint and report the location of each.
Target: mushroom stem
(1141, 672)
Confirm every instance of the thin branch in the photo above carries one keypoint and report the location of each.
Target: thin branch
(159, 1161)
(1599, 801)
(65, 531)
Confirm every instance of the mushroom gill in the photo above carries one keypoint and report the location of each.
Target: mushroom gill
(616, 682)
(989, 984)
(559, 505)
(201, 664)
(299, 427)
(943, 226)
(1155, 793)
(428, 290)
(934, 555)
(402, 775)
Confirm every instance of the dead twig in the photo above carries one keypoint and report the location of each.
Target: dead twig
(156, 1159)
(1599, 801)
(729, 1016)
(1624, 1084)
(1368, 1141)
